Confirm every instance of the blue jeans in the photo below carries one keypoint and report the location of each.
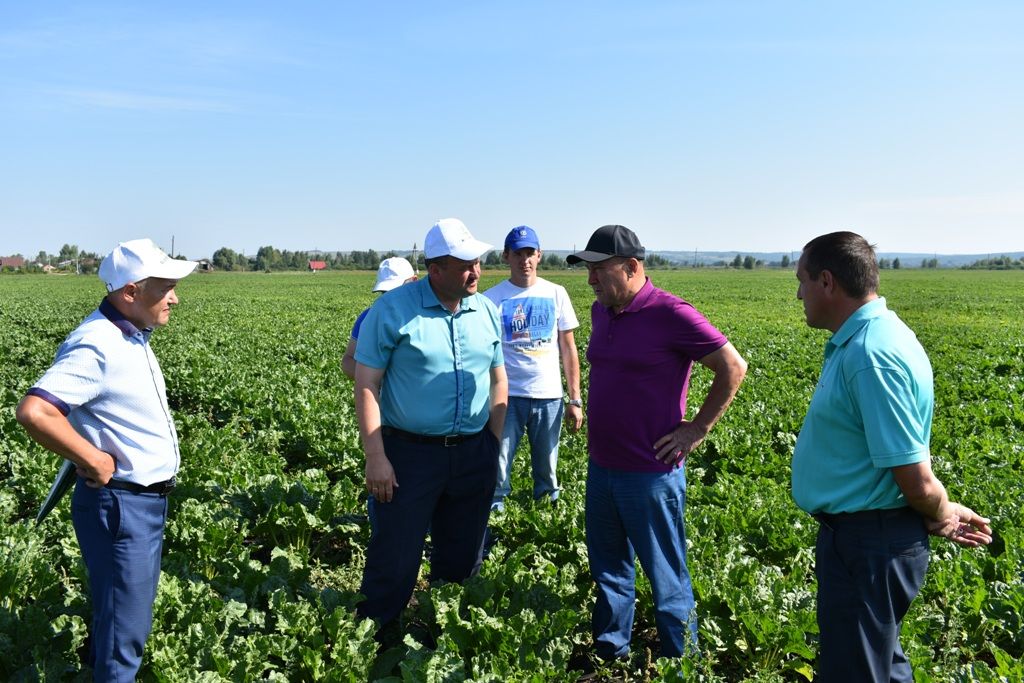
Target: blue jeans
(639, 515)
(447, 490)
(870, 566)
(541, 419)
(121, 537)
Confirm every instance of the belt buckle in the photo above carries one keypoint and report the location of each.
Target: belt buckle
(168, 486)
(451, 440)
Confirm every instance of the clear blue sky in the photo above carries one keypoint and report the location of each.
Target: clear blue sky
(749, 126)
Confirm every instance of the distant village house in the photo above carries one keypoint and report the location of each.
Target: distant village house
(12, 262)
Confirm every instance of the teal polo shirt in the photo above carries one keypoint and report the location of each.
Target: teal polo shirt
(436, 364)
(871, 411)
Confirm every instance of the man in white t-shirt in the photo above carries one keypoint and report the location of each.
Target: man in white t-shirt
(537, 321)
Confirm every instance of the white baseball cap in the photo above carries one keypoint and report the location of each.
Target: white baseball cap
(450, 237)
(392, 273)
(138, 259)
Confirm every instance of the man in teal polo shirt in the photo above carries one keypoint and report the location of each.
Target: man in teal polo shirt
(862, 466)
(431, 395)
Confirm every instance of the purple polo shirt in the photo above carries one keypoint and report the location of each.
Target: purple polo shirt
(640, 362)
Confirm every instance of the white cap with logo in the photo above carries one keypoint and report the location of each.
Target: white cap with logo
(138, 259)
(450, 237)
(393, 272)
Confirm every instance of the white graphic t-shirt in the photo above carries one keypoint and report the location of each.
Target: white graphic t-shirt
(531, 319)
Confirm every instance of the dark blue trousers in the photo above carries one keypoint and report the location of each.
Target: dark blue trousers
(870, 565)
(121, 537)
(445, 489)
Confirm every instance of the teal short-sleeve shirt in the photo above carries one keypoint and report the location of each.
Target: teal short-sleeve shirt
(436, 364)
(871, 411)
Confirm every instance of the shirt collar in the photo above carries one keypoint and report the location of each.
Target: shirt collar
(869, 311)
(640, 300)
(122, 323)
(429, 299)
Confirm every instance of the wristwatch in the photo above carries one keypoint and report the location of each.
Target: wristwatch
(578, 402)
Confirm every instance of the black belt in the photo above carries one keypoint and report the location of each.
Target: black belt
(879, 515)
(449, 440)
(161, 487)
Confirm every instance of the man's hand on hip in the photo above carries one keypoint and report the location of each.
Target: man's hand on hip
(98, 471)
(673, 448)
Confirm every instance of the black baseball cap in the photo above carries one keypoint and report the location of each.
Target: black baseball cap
(609, 241)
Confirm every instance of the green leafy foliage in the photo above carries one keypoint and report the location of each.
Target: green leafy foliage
(264, 544)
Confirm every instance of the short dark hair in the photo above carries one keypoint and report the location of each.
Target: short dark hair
(439, 260)
(850, 259)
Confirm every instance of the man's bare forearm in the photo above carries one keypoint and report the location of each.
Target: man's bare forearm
(51, 429)
(730, 369)
(498, 401)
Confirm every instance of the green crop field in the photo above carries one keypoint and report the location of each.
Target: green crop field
(264, 547)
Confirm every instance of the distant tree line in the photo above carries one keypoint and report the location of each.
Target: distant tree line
(748, 262)
(999, 263)
(740, 262)
(69, 258)
(552, 261)
(269, 258)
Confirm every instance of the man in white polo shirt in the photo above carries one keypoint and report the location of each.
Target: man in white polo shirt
(103, 406)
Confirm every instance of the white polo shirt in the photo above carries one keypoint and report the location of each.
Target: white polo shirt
(107, 382)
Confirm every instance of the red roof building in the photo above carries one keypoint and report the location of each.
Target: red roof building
(317, 265)
(12, 262)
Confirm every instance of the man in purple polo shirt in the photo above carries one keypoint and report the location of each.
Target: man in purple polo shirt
(642, 347)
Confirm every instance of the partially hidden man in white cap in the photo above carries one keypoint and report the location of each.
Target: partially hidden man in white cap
(393, 272)
(430, 397)
(102, 405)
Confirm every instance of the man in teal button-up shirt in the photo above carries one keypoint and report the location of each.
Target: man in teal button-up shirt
(438, 361)
(431, 395)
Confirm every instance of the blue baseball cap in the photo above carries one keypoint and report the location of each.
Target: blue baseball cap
(522, 238)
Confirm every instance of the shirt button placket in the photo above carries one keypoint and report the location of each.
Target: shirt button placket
(459, 380)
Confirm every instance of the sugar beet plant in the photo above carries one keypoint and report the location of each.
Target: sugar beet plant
(264, 546)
